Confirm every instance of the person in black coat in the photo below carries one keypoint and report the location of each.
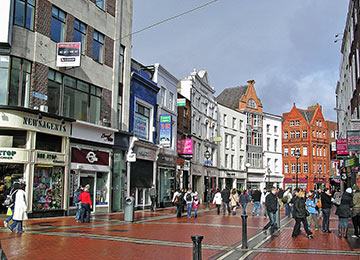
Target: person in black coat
(225, 195)
(344, 212)
(300, 214)
(271, 203)
(326, 205)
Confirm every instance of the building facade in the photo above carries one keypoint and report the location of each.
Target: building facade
(305, 147)
(232, 148)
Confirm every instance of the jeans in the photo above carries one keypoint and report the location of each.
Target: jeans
(243, 205)
(17, 223)
(272, 222)
(189, 207)
(226, 205)
(343, 222)
(218, 206)
(296, 230)
(288, 210)
(313, 217)
(152, 203)
(326, 219)
(195, 212)
(256, 207)
(78, 211)
(85, 213)
(356, 223)
(10, 217)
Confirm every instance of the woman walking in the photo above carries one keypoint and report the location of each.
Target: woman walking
(356, 212)
(244, 200)
(299, 214)
(19, 209)
(86, 204)
(311, 206)
(234, 198)
(217, 200)
(344, 212)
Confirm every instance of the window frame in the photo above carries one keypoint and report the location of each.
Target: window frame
(81, 33)
(98, 38)
(59, 19)
(25, 13)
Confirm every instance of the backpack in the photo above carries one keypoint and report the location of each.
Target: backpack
(10, 199)
(188, 197)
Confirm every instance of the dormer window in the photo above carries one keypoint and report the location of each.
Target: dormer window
(251, 103)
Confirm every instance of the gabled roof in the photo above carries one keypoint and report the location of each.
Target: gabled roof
(307, 114)
(230, 97)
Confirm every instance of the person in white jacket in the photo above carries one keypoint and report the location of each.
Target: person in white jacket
(217, 200)
(19, 210)
(263, 197)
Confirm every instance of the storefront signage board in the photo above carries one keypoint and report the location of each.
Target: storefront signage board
(145, 154)
(353, 140)
(68, 54)
(165, 130)
(341, 147)
(185, 146)
(85, 156)
(49, 158)
(181, 102)
(85, 131)
(13, 155)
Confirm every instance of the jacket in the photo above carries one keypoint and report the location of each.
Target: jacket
(217, 198)
(299, 210)
(20, 206)
(325, 201)
(190, 199)
(85, 198)
(311, 204)
(225, 194)
(256, 196)
(244, 198)
(344, 210)
(271, 202)
(234, 199)
(356, 202)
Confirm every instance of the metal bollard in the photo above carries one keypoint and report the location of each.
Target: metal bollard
(244, 244)
(197, 247)
(278, 216)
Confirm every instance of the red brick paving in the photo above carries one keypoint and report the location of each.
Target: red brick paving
(277, 256)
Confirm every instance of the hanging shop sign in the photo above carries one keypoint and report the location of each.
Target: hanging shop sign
(68, 54)
(86, 156)
(181, 102)
(341, 147)
(165, 130)
(185, 146)
(49, 158)
(353, 140)
(11, 155)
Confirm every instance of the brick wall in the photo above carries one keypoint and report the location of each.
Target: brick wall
(43, 17)
(111, 7)
(69, 34)
(105, 106)
(109, 51)
(89, 41)
(39, 83)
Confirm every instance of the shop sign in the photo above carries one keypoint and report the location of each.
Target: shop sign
(145, 154)
(68, 54)
(353, 140)
(13, 155)
(185, 146)
(92, 133)
(181, 102)
(131, 157)
(86, 156)
(167, 159)
(165, 130)
(42, 157)
(341, 147)
(141, 126)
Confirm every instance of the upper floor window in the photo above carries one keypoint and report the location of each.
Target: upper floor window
(100, 4)
(286, 152)
(297, 122)
(304, 133)
(80, 34)
(313, 133)
(332, 134)
(98, 46)
(24, 13)
(317, 123)
(275, 145)
(320, 123)
(251, 103)
(267, 128)
(225, 120)
(233, 122)
(171, 101)
(286, 135)
(286, 168)
(292, 134)
(162, 96)
(57, 25)
(291, 123)
(297, 134)
(275, 129)
(324, 135)
(240, 125)
(142, 121)
(305, 151)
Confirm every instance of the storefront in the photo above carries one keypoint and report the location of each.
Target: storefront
(91, 164)
(166, 179)
(33, 147)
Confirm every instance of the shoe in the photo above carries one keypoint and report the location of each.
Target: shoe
(316, 229)
(5, 224)
(253, 214)
(10, 229)
(354, 236)
(310, 237)
(328, 231)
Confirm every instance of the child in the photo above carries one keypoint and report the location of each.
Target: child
(195, 205)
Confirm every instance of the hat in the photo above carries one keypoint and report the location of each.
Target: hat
(349, 190)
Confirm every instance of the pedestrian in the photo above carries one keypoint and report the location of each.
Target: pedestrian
(225, 195)
(280, 197)
(244, 200)
(256, 197)
(343, 211)
(271, 203)
(183, 202)
(152, 194)
(86, 204)
(196, 203)
(178, 201)
(300, 213)
(311, 207)
(326, 205)
(356, 212)
(20, 208)
(287, 197)
(189, 201)
(10, 203)
(263, 198)
(217, 200)
(234, 200)
(77, 202)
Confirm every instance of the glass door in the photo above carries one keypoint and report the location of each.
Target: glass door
(89, 178)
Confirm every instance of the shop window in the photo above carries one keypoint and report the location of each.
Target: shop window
(167, 184)
(4, 76)
(12, 138)
(47, 142)
(57, 25)
(102, 189)
(54, 89)
(48, 188)
(73, 184)
(24, 13)
(19, 89)
(98, 46)
(80, 34)
(142, 121)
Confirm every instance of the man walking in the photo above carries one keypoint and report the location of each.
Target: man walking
(153, 197)
(256, 196)
(271, 204)
(189, 201)
(225, 195)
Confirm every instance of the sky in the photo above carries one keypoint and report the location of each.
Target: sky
(287, 47)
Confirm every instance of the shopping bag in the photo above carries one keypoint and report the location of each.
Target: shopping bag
(9, 212)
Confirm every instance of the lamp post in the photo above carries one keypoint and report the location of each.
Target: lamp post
(207, 156)
(268, 175)
(297, 156)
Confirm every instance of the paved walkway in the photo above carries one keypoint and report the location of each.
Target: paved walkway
(160, 235)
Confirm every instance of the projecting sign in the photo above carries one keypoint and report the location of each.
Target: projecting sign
(181, 102)
(353, 140)
(165, 130)
(341, 147)
(68, 54)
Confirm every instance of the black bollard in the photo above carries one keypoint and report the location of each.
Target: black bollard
(197, 247)
(244, 232)
(278, 216)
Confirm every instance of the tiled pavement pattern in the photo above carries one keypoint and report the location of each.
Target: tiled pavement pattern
(161, 235)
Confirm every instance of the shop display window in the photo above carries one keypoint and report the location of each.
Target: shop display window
(48, 188)
(9, 173)
(47, 142)
(74, 184)
(12, 138)
(167, 184)
(102, 188)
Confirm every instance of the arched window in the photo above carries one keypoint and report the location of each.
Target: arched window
(251, 103)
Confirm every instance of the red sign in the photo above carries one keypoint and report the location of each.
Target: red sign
(341, 147)
(89, 157)
(185, 146)
(353, 140)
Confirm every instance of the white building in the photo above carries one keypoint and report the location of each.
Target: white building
(272, 146)
(204, 114)
(232, 148)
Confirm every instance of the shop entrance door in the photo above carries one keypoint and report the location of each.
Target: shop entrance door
(89, 178)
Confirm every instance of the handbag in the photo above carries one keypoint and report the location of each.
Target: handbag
(9, 212)
(318, 203)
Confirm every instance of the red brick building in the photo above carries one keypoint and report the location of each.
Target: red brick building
(305, 132)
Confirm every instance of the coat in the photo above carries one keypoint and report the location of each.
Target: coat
(271, 202)
(20, 206)
(225, 194)
(299, 210)
(344, 210)
(217, 198)
(234, 199)
(356, 202)
(244, 198)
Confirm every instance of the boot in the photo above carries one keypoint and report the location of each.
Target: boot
(345, 232)
(340, 232)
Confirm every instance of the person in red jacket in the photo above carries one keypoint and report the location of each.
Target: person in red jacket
(86, 204)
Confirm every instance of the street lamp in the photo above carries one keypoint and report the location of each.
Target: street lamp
(268, 175)
(207, 156)
(297, 156)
